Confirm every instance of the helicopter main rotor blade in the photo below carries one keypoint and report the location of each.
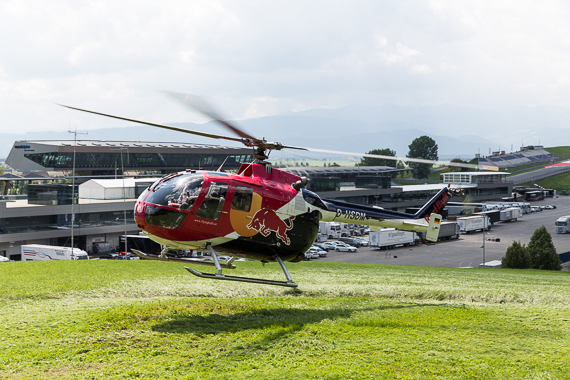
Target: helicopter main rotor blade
(419, 160)
(204, 134)
(198, 104)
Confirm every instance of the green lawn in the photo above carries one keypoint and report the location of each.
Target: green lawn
(562, 152)
(558, 182)
(153, 320)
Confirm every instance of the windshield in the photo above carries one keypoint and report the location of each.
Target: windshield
(560, 223)
(313, 199)
(179, 190)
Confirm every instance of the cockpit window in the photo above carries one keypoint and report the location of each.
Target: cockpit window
(213, 203)
(242, 198)
(177, 191)
(313, 199)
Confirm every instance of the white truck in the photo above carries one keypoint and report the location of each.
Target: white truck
(38, 252)
(511, 214)
(563, 225)
(388, 238)
(322, 236)
(447, 231)
(470, 224)
(331, 229)
(345, 230)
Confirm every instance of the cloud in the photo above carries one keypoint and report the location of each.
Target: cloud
(421, 69)
(262, 58)
(401, 53)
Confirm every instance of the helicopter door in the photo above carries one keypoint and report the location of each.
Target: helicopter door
(246, 202)
(212, 205)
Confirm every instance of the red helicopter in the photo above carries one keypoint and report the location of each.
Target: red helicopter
(260, 212)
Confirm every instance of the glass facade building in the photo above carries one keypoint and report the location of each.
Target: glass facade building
(112, 157)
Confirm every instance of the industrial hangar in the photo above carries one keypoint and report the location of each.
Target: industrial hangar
(100, 213)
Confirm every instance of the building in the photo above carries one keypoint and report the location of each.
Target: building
(91, 221)
(112, 157)
(97, 212)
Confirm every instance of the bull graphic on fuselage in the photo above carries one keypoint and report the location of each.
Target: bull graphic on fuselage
(264, 221)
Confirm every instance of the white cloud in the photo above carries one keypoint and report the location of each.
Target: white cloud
(401, 53)
(262, 58)
(421, 69)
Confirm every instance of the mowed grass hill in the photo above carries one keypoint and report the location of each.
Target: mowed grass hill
(153, 320)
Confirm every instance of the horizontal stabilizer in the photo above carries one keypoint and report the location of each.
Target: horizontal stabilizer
(433, 228)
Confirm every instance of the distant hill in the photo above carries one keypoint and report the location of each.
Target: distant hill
(459, 131)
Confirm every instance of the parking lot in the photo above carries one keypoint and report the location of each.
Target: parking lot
(466, 251)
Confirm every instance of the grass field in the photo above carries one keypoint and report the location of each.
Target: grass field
(153, 320)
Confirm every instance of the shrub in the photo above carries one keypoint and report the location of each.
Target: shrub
(517, 257)
(542, 252)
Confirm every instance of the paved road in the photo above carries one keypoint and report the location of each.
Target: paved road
(466, 251)
(537, 175)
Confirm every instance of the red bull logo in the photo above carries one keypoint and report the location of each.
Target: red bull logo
(264, 221)
(438, 205)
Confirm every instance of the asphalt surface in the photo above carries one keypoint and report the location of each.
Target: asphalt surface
(466, 251)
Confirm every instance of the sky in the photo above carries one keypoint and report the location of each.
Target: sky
(261, 58)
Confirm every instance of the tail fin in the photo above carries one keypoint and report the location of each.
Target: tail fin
(434, 205)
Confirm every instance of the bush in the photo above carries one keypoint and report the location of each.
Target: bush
(517, 257)
(542, 252)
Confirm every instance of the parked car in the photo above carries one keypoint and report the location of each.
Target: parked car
(321, 246)
(350, 241)
(342, 247)
(318, 251)
(312, 254)
(550, 207)
(110, 256)
(127, 256)
(329, 245)
(363, 242)
(224, 258)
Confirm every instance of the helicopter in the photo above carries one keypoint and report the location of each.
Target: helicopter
(259, 213)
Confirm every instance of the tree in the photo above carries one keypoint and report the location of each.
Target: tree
(542, 251)
(422, 147)
(517, 257)
(369, 161)
(401, 165)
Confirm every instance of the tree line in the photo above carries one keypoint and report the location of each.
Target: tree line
(539, 254)
(422, 147)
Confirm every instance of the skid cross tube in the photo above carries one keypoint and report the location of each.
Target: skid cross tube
(143, 255)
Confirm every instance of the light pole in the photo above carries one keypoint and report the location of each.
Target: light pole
(124, 195)
(484, 233)
(73, 183)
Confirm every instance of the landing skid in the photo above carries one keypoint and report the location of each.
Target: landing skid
(220, 276)
(215, 276)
